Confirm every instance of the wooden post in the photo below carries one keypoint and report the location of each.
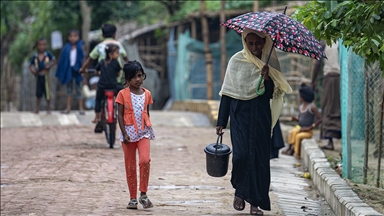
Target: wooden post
(255, 6)
(207, 50)
(193, 28)
(148, 46)
(222, 41)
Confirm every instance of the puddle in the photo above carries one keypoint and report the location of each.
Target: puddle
(185, 202)
(4, 185)
(185, 187)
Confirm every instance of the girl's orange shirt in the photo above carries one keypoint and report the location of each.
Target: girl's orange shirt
(124, 98)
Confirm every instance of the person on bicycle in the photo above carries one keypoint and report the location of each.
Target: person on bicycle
(98, 53)
(136, 131)
(108, 69)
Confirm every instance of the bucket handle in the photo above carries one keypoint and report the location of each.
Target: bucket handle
(220, 136)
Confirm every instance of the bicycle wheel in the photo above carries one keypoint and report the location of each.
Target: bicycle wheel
(110, 133)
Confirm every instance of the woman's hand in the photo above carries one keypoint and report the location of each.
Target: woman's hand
(265, 72)
(219, 130)
(294, 118)
(127, 139)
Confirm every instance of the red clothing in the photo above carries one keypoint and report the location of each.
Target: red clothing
(124, 98)
(143, 145)
(130, 165)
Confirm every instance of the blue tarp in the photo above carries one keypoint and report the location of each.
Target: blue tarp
(188, 77)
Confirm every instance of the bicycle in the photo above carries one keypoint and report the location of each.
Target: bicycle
(108, 115)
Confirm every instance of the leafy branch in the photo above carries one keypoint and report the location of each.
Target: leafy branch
(360, 24)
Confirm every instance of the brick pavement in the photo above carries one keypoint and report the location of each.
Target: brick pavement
(68, 170)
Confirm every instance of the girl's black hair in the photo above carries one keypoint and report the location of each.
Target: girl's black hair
(37, 41)
(110, 48)
(131, 68)
(74, 31)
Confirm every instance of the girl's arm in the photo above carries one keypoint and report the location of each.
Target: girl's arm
(318, 116)
(295, 118)
(120, 118)
(148, 110)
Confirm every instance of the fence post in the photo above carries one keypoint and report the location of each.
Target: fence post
(380, 141)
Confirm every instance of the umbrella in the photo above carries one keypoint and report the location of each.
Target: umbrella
(288, 34)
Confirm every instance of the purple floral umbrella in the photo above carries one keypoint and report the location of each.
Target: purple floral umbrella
(288, 34)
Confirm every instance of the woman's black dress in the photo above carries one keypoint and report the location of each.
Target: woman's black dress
(250, 128)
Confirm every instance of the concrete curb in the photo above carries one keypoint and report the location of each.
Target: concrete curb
(27, 119)
(339, 195)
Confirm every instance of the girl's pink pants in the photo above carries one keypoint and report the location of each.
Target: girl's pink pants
(130, 165)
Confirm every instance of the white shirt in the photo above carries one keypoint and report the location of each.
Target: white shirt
(331, 65)
(72, 57)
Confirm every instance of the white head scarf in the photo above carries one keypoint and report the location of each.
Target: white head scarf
(244, 71)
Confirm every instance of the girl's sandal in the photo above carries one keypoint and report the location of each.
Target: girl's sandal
(145, 202)
(255, 211)
(238, 204)
(132, 204)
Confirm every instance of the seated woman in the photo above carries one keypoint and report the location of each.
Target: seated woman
(307, 113)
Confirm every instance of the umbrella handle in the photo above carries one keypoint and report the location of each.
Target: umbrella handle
(258, 87)
(274, 41)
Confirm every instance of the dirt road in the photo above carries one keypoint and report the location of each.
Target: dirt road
(69, 170)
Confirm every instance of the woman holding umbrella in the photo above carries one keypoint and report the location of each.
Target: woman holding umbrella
(253, 115)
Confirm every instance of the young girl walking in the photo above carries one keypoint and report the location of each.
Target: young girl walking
(109, 70)
(136, 131)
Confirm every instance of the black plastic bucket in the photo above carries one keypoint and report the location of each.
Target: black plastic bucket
(217, 158)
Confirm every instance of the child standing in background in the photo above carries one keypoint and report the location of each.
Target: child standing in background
(307, 113)
(136, 131)
(71, 58)
(41, 62)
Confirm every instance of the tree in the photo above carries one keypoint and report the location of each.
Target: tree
(359, 23)
(86, 12)
(207, 50)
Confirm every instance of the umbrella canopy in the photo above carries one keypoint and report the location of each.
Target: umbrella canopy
(288, 34)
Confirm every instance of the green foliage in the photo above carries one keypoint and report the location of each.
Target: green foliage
(359, 24)
(112, 11)
(12, 13)
(248, 4)
(152, 12)
(19, 50)
(25, 21)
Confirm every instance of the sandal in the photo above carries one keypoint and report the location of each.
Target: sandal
(289, 152)
(132, 204)
(238, 204)
(145, 202)
(255, 211)
(99, 127)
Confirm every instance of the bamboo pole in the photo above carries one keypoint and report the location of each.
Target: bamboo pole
(222, 41)
(207, 50)
(255, 5)
(193, 28)
(367, 126)
(380, 142)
